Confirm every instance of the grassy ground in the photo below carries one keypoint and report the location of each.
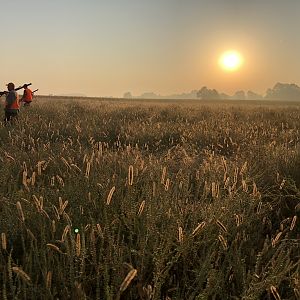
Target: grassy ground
(107, 199)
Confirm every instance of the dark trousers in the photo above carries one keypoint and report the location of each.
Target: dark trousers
(10, 116)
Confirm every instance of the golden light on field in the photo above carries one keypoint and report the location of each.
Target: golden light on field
(231, 61)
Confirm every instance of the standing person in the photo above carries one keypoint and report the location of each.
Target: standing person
(12, 105)
(27, 95)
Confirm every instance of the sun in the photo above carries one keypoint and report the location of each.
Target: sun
(231, 60)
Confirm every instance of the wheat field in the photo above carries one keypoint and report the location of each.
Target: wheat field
(118, 199)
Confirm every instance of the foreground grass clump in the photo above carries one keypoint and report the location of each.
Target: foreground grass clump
(116, 200)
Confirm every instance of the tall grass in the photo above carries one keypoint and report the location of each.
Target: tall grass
(119, 200)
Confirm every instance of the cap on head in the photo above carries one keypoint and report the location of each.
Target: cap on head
(10, 86)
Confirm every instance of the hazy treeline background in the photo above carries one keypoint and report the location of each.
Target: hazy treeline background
(280, 91)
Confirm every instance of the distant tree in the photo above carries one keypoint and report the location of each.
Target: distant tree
(208, 94)
(224, 96)
(149, 95)
(239, 95)
(284, 91)
(127, 95)
(253, 96)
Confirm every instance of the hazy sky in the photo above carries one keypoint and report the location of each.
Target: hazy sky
(108, 47)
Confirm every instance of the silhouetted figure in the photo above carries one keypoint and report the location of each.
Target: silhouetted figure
(27, 95)
(12, 105)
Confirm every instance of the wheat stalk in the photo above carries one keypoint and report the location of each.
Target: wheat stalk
(88, 169)
(78, 244)
(99, 230)
(167, 184)
(76, 167)
(132, 273)
(24, 179)
(63, 207)
(180, 234)
(48, 280)
(198, 228)
(65, 232)
(37, 203)
(3, 241)
(141, 208)
(130, 175)
(67, 218)
(33, 177)
(282, 184)
(222, 226)
(53, 226)
(22, 274)
(293, 223)
(20, 211)
(153, 189)
(31, 234)
(274, 241)
(110, 194)
(223, 242)
(244, 168)
(54, 247)
(8, 156)
(275, 292)
(163, 175)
